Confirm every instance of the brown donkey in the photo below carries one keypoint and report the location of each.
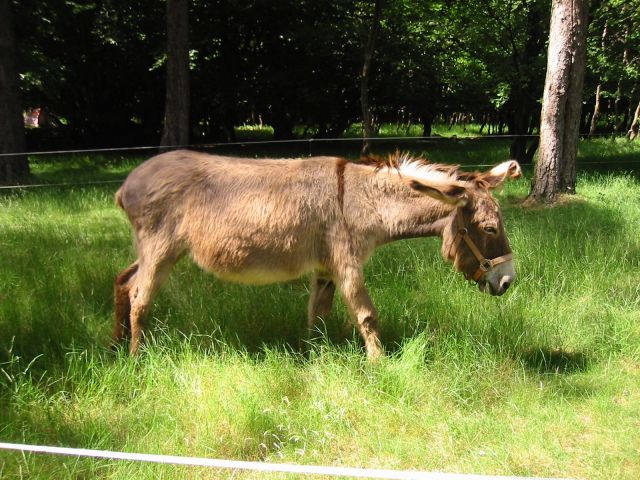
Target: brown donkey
(264, 221)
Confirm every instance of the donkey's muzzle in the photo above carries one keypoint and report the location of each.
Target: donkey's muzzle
(496, 288)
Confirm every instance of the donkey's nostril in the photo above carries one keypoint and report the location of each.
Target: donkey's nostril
(504, 285)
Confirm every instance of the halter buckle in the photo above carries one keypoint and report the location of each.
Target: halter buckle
(485, 264)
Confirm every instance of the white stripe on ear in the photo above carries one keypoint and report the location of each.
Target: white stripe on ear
(498, 174)
(510, 168)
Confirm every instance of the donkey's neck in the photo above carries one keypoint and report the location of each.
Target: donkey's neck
(382, 204)
(426, 229)
(407, 214)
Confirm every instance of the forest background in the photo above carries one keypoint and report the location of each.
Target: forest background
(96, 69)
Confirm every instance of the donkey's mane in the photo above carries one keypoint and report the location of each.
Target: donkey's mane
(419, 167)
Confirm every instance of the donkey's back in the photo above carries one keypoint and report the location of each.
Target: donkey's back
(181, 179)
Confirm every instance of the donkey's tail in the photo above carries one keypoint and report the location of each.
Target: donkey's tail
(122, 303)
(119, 198)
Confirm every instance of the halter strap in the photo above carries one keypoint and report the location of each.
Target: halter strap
(485, 264)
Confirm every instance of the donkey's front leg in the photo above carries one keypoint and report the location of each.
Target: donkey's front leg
(354, 292)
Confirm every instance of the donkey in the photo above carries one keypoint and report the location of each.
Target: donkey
(273, 220)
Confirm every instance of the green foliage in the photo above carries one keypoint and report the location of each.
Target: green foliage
(99, 65)
(614, 58)
(90, 63)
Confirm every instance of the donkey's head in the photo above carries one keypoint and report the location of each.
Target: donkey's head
(474, 239)
(472, 231)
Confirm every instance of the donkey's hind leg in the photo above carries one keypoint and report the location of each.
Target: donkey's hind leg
(122, 304)
(148, 281)
(152, 272)
(320, 301)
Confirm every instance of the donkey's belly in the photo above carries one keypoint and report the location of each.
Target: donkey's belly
(256, 259)
(257, 269)
(257, 276)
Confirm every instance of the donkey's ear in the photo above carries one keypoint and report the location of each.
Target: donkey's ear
(498, 174)
(451, 194)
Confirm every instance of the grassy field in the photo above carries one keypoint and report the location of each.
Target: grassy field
(543, 381)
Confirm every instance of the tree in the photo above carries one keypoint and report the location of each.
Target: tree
(13, 168)
(613, 65)
(298, 66)
(632, 133)
(95, 67)
(176, 116)
(416, 54)
(598, 97)
(507, 36)
(369, 49)
(555, 168)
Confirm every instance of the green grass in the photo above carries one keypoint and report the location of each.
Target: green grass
(542, 381)
(416, 130)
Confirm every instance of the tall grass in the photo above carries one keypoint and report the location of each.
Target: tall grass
(542, 381)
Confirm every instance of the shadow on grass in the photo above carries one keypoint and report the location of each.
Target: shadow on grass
(56, 288)
(546, 360)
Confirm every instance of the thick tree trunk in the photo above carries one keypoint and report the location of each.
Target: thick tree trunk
(13, 168)
(367, 116)
(427, 124)
(176, 117)
(555, 169)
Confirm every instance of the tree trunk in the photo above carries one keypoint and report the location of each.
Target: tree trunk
(427, 124)
(632, 134)
(597, 107)
(621, 103)
(531, 151)
(13, 168)
(596, 111)
(282, 123)
(228, 81)
(176, 115)
(367, 116)
(519, 124)
(555, 169)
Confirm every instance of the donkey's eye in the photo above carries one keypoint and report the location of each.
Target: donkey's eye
(491, 230)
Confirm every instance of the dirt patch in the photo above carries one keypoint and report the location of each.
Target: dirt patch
(528, 203)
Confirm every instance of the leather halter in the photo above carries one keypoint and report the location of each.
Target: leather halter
(485, 264)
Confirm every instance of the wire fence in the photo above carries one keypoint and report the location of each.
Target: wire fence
(309, 150)
(302, 141)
